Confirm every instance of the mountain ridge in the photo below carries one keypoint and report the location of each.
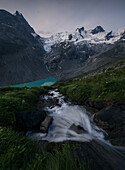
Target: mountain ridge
(21, 51)
(26, 57)
(69, 52)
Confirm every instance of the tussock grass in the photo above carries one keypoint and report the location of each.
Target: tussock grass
(107, 87)
(17, 99)
(18, 152)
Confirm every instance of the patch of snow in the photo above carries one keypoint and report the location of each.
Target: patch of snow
(85, 37)
(121, 30)
(47, 68)
(34, 34)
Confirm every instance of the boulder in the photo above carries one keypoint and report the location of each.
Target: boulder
(45, 124)
(112, 114)
(29, 119)
(112, 119)
(77, 128)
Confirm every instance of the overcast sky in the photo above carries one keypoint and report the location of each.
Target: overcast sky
(52, 16)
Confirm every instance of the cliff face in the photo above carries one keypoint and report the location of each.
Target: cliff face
(21, 51)
(70, 54)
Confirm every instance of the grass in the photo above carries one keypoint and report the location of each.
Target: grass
(18, 152)
(13, 100)
(107, 87)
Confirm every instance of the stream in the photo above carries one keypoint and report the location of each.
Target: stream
(92, 142)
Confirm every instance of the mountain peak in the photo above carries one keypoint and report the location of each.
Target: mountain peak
(80, 29)
(23, 21)
(17, 13)
(97, 30)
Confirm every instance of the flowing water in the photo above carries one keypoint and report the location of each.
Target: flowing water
(65, 114)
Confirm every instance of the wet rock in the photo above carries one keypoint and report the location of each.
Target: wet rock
(59, 105)
(50, 102)
(98, 155)
(101, 124)
(29, 119)
(78, 129)
(45, 124)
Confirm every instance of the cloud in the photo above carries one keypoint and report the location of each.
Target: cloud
(52, 16)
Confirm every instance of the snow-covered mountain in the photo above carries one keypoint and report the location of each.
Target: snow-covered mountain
(69, 51)
(25, 56)
(94, 36)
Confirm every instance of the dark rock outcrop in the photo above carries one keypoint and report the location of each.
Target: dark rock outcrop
(50, 102)
(64, 58)
(78, 129)
(97, 30)
(45, 124)
(21, 51)
(80, 29)
(70, 36)
(98, 155)
(112, 119)
(29, 119)
(109, 36)
(96, 105)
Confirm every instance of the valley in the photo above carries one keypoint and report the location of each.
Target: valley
(62, 98)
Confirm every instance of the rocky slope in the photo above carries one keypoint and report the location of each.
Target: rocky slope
(71, 54)
(25, 56)
(21, 51)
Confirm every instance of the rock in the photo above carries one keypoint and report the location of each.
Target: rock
(97, 30)
(97, 155)
(18, 41)
(29, 119)
(80, 29)
(78, 129)
(70, 36)
(96, 105)
(51, 107)
(112, 119)
(45, 124)
(109, 36)
(112, 114)
(50, 102)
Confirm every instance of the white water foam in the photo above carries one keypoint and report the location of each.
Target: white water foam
(64, 116)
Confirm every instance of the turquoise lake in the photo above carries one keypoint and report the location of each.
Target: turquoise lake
(42, 82)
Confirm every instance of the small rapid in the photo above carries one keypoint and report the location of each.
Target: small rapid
(65, 114)
(92, 146)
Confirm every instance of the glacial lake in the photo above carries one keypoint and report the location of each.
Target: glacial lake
(42, 82)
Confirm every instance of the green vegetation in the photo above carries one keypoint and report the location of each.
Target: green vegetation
(107, 87)
(17, 99)
(17, 152)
